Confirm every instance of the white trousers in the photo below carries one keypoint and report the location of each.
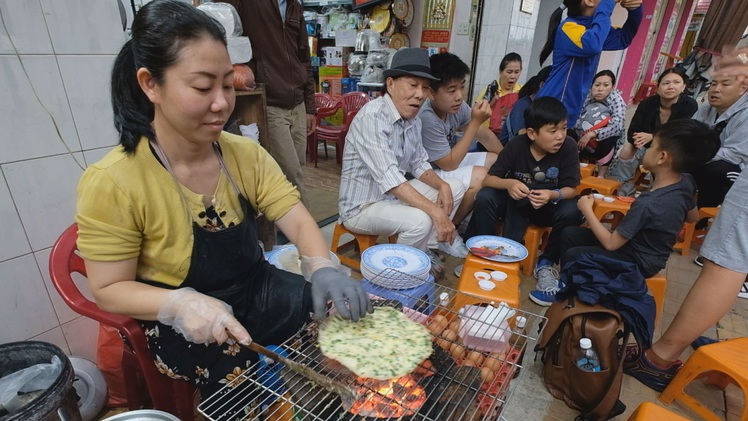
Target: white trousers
(412, 225)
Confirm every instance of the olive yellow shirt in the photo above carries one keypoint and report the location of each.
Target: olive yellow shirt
(129, 206)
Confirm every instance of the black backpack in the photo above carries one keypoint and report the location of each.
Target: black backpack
(593, 394)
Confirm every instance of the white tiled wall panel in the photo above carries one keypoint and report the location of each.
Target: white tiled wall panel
(82, 335)
(64, 313)
(26, 308)
(84, 26)
(44, 192)
(27, 127)
(95, 154)
(5, 45)
(14, 242)
(25, 23)
(56, 337)
(86, 79)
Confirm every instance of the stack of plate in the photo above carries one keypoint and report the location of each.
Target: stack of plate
(404, 259)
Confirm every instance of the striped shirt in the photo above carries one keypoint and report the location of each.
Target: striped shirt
(380, 148)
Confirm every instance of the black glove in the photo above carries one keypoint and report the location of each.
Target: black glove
(328, 283)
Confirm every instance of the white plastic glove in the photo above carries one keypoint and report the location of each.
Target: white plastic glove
(201, 319)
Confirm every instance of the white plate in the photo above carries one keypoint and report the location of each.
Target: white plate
(402, 258)
(287, 258)
(90, 386)
(511, 247)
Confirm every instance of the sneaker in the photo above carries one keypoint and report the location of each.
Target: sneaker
(456, 249)
(437, 266)
(699, 260)
(743, 290)
(545, 297)
(547, 277)
(650, 374)
(458, 270)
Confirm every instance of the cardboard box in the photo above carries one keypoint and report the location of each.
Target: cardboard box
(333, 71)
(337, 56)
(335, 87)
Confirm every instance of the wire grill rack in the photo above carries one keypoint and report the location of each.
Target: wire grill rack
(459, 382)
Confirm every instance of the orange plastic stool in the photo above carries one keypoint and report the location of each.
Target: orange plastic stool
(601, 185)
(617, 208)
(485, 265)
(684, 244)
(360, 242)
(506, 290)
(649, 411)
(721, 363)
(586, 171)
(536, 239)
(658, 287)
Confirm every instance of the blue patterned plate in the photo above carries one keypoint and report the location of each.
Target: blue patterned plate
(493, 242)
(402, 258)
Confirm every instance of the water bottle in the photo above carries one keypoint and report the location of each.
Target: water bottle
(587, 359)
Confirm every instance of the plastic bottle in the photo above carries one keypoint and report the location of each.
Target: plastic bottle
(518, 339)
(587, 359)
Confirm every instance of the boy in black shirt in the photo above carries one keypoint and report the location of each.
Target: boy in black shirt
(533, 181)
(647, 233)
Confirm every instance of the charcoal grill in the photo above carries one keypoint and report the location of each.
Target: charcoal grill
(453, 384)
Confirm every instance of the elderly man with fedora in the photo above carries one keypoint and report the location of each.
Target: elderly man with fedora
(383, 150)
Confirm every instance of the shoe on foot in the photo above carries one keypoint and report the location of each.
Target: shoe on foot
(743, 290)
(456, 249)
(650, 374)
(458, 270)
(547, 277)
(437, 266)
(699, 260)
(544, 297)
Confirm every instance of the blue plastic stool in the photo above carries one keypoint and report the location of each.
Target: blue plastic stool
(421, 298)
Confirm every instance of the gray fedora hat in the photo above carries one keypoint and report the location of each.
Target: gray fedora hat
(410, 62)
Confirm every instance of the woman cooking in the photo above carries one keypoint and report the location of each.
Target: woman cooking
(668, 104)
(167, 218)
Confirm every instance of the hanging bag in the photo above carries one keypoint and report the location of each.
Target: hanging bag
(593, 394)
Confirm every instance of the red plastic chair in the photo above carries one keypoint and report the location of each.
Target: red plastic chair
(320, 101)
(350, 103)
(173, 396)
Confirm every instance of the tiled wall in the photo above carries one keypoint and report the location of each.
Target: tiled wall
(504, 29)
(55, 117)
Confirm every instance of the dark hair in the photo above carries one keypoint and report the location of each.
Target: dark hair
(690, 142)
(545, 110)
(447, 67)
(574, 9)
(533, 84)
(605, 72)
(511, 57)
(673, 70)
(159, 32)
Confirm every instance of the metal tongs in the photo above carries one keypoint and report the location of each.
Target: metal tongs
(483, 252)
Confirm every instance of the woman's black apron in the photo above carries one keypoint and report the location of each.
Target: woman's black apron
(228, 264)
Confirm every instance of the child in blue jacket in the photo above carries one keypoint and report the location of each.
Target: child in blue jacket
(576, 44)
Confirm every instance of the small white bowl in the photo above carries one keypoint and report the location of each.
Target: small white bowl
(583, 164)
(609, 199)
(486, 285)
(597, 196)
(482, 276)
(498, 275)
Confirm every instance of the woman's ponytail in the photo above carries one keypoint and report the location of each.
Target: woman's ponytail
(133, 112)
(553, 23)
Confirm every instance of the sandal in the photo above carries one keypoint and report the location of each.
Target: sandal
(647, 372)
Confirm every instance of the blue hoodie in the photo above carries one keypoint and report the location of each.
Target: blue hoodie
(576, 52)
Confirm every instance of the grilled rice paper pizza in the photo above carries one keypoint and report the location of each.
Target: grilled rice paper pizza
(383, 345)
